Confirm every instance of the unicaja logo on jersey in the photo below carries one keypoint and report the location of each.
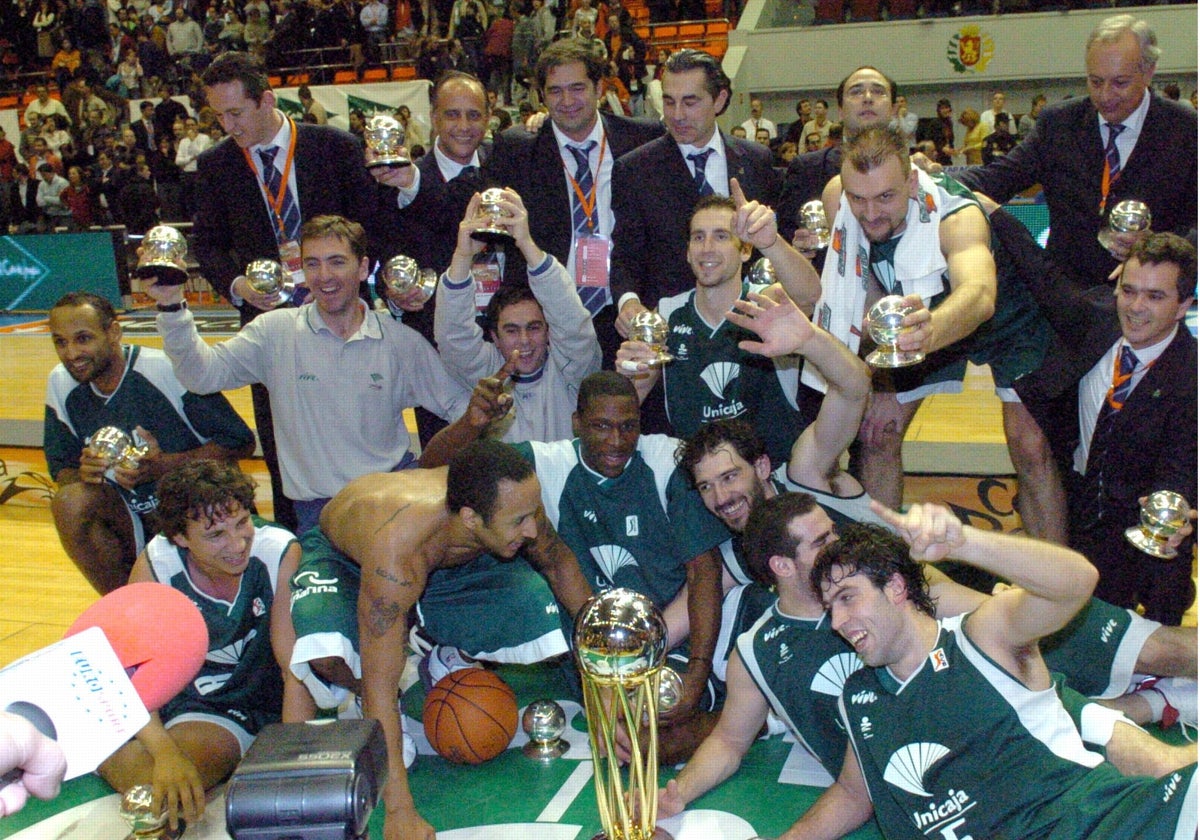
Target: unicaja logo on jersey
(832, 675)
(907, 767)
(611, 559)
(718, 375)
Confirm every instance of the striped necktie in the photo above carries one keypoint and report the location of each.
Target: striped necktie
(699, 159)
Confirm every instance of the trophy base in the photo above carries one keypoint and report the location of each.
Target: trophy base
(891, 358)
(389, 163)
(161, 833)
(545, 751)
(1149, 545)
(492, 236)
(659, 833)
(167, 275)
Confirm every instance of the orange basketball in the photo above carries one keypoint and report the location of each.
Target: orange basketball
(470, 716)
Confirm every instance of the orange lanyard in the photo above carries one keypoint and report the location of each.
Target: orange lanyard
(1105, 183)
(1120, 379)
(588, 203)
(275, 202)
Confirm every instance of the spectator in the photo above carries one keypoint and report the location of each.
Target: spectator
(256, 32)
(54, 132)
(972, 148)
(757, 121)
(820, 121)
(904, 121)
(988, 118)
(498, 56)
(54, 210)
(1028, 121)
(942, 132)
(65, 62)
(43, 25)
(1000, 142)
(129, 74)
(77, 197)
(43, 106)
(311, 106)
(168, 181)
(185, 38)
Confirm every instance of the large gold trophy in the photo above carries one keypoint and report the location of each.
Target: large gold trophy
(620, 644)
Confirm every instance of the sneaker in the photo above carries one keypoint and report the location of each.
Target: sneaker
(440, 661)
(1179, 695)
(410, 746)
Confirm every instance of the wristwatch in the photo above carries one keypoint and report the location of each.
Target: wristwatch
(172, 307)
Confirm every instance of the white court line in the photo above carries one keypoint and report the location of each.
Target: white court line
(566, 794)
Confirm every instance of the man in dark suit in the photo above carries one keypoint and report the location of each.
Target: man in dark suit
(247, 209)
(870, 104)
(1151, 156)
(545, 169)
(1133, 442)
(656, 186)
(145, 130)
(424, 204)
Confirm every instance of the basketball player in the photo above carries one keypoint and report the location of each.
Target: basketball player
(423, 538)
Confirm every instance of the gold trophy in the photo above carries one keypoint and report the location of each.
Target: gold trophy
(145, 822)
(651, 328)
(385, 137)
(402, 274)
(883, 322)
(267, 277)
(762, 272)
(163, 249)
(620, 645)
(489, 207)
(1162, 515)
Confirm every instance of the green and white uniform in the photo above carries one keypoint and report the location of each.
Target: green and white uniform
(712, 379)
(239, 686)
(498, 610)
(149, 396)
(638, 530)
(800, 666)
(1098, 649)
(962, 749)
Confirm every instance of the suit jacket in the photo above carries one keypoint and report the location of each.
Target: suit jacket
(1065, 154)
(143, 139)
(531, 165)
(653, 197)
(805, 179)
(1153, 442)
(232, 223)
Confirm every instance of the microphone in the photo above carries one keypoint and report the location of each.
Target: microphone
(125, 656)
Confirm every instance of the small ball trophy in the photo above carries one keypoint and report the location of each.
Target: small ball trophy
(813, 218)
(670, 691)
(762, 272)
(651, 328)
(884, 323)
(116, 447)
(267, 277)
(402, 274)
(544, 722)
(145, 821)
(1162, 515)
(163, 249)
(385, 137)
(620, 644)
(1129, 216)
(494, 233)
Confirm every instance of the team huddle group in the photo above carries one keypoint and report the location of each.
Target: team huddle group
(565, 451)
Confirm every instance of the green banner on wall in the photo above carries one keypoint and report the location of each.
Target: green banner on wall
(35, 271)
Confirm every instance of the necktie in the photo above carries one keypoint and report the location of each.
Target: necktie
(1122, 384)
(466, 172)
(698, 160)
(1112, 157)
(289, 213)
(594, 298)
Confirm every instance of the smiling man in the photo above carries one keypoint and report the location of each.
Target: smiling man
(329, 364)
(1148, 144)
(564, 173)
(543, 324)
(105, 515)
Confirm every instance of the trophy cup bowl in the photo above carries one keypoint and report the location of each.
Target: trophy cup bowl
(145, 821)
(620, 643)
(813, 218)
(163, 249)
(1162, 515)
(494, 233)
(761, 272)
(544, 722)
(884, 323)
(402, 275)
(651, 328)
(267, 277)
(670, 690)
(1128, 216)
(385, 137)
(116, 448)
